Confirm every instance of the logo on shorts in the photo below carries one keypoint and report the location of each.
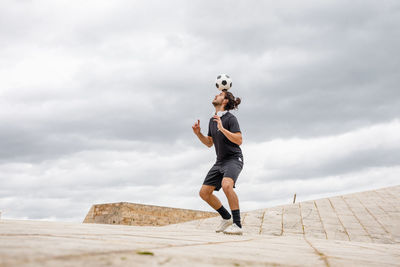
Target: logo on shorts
(240, 159)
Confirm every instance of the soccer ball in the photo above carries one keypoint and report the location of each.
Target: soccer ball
(224, 82)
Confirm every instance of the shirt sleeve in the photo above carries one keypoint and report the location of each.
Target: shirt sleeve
(233, 125)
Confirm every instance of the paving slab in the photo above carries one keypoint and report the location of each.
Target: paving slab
(360, 229)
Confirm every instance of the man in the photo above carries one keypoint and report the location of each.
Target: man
(224, 133)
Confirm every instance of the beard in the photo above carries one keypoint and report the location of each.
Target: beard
(216, 103)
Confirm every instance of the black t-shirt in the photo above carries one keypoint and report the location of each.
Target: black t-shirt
(224, 148)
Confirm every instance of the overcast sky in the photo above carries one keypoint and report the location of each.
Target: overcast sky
(98, 99)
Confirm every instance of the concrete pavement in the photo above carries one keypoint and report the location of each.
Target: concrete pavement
(361, 229)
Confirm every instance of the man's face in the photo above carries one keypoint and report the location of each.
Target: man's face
(218, 100)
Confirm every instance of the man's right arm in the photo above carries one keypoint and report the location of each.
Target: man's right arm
(207, 140)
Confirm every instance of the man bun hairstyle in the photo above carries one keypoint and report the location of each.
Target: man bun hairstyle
(233, 102)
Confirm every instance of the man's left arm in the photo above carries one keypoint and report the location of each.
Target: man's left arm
(235, 137)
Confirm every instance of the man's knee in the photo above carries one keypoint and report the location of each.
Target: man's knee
(205, 193)
(227, 184)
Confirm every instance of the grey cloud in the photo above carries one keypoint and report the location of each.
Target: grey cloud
(357, 161)
(349, 74)
(348, 81)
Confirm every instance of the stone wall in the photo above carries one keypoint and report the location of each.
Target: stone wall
(143, 215)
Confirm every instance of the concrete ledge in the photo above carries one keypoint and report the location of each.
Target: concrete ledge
(143, 215)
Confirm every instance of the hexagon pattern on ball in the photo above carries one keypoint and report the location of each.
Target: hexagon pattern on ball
(223, 82)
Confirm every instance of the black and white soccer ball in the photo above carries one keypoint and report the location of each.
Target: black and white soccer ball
(223, 82)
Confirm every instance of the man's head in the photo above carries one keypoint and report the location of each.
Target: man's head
(220, 100)
(226, 100)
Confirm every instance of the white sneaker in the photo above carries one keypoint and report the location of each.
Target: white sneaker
(223, 225)
(233, 230)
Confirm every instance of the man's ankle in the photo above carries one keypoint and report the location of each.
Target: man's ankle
(236, 217)
(224, 213)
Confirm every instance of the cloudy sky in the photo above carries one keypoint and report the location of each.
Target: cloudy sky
(98, 99)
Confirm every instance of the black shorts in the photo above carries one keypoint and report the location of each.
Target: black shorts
(227, 168)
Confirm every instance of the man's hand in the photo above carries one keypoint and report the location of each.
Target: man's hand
(219, 122)
(196, 127)
(233, 137)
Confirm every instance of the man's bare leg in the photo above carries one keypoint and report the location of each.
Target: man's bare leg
(206, 193)
(227, 186)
